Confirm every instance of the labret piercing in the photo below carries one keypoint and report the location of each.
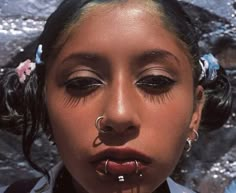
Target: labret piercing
(137, 171)
(121, 178)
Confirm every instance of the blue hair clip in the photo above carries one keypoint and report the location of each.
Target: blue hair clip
(210, 66)
(38, 56)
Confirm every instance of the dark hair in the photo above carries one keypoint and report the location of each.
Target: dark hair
(31, 107)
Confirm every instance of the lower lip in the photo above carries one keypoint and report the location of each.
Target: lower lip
(120, 168)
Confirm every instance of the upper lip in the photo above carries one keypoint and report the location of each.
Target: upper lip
(121, 154)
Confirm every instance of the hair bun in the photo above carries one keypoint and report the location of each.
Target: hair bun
(218, 104)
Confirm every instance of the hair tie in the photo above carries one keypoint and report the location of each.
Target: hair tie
(25, 69)
(210, 66)
(38, 55)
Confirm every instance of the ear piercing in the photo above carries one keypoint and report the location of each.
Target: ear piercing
(196, 135)
(189, 141)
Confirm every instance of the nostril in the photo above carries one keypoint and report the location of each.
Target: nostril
(108, 129)
(130, 128)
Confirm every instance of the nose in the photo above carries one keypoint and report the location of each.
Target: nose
(120, 112)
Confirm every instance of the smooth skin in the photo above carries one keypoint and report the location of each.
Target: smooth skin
(120, 62)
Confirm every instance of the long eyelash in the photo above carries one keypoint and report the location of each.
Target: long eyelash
(73, 101)
(161, 98)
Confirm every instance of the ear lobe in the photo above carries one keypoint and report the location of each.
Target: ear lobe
(198, 107)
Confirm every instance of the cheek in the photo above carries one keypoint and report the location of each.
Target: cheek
(166, 126)
(73, 127)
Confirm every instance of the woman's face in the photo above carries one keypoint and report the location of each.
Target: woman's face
(123, 64)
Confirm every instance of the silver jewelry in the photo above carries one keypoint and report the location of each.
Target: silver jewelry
(189, 142)
(105, 167)
(121, 178)
(196, 135)
(137, 169)
(98, 124)
(136, 166)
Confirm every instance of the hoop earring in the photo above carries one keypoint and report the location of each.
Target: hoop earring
(196, 135)
(189, 142)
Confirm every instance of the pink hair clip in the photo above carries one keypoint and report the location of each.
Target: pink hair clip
(25, 69)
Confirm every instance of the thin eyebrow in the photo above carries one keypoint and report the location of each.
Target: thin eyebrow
(157, 55)
(83, 58)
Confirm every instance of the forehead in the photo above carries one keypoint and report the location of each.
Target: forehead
(135, 24)
(107, 12)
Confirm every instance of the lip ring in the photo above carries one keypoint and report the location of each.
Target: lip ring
(136, 165)
(105, 167)
(102, 160)
(107, 161)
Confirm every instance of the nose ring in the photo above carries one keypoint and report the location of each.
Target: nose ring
(98, 124)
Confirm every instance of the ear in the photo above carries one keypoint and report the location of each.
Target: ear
(197, 111)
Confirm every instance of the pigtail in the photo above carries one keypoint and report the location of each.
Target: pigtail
(33, 114)
(218, 93)
(11, 101)
(21, 102)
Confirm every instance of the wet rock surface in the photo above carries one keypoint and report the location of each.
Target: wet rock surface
(12, 162)
(20, 23)
(208, 168)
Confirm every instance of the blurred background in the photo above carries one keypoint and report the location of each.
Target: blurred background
(211, 165)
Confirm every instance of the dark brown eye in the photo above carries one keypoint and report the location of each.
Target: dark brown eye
(155, 84)
(82, 86)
